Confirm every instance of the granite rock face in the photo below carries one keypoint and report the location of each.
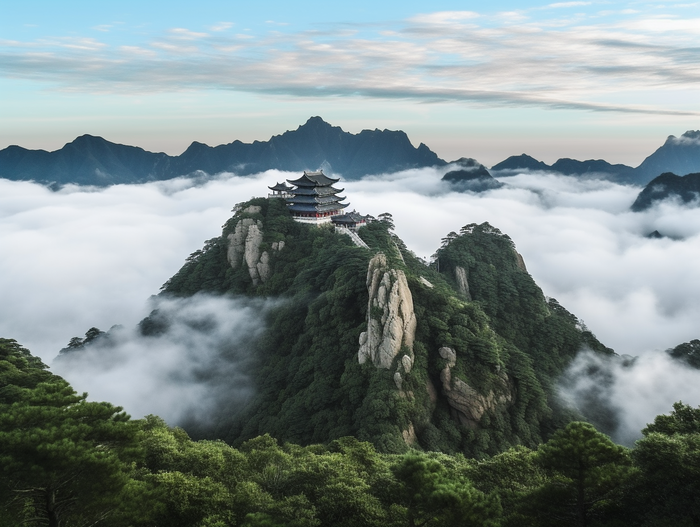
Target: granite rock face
(391, 320)
(468, 405)
(245, 244)
(462, 282)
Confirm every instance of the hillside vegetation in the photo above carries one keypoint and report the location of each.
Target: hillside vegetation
(69, 462)
(464, 354)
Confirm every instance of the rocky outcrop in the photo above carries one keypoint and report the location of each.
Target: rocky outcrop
(468, 405)
(520, 262)
(425, 282)
(462, 282)
(245, 247)
(409, 435)
(391, 321)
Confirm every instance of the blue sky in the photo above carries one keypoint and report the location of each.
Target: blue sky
(565, 79)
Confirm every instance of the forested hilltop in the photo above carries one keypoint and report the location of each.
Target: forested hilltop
(460, 356)
(69, 462)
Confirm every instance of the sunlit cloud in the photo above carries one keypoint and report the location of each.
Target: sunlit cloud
(496, 60)
(186, 34)
(558, 5)
(221, 26)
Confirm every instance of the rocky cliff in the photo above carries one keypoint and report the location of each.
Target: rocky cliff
(391, 321)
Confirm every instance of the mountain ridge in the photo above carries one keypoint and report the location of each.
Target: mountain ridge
(679, 155)
(316, 144)
(92, 160)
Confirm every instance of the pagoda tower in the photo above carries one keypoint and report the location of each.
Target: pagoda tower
(280, 190)
(314, 199)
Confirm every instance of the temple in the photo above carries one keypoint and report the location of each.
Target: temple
(313, 198)
(280, 190)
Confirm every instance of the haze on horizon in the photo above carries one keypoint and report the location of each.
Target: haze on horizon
(581, 79)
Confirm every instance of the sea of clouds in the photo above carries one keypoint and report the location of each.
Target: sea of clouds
(79, 258)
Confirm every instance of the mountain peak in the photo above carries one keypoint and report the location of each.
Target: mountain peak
(87, 139)
(315, 122)
(523, 161)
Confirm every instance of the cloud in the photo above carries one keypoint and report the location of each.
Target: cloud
(92, 257)
(185, 34)
(559, 5)
(221, 26)
(442, 18)
(626, 394)
(687, 139)
(462, 56)
(199, 363)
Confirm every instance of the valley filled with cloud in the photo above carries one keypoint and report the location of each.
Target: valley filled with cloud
(81, 258)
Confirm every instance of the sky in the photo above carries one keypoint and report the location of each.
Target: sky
(581, 79)
(83, 257)
(574, 79)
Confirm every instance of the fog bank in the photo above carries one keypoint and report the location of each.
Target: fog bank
(196, 364)
(81, 257)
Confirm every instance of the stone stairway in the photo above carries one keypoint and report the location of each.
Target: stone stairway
(353, 236)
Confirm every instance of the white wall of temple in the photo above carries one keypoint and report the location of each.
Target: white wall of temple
(313, 220)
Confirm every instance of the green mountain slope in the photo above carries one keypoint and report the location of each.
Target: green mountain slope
(461, 356)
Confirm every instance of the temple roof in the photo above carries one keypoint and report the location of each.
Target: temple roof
(315, 199)
(281, 187)
(316, 191)
(311, 207)
(350, 218)
(313, 179)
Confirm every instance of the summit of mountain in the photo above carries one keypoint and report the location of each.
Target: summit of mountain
(368, 340)
(91, 160)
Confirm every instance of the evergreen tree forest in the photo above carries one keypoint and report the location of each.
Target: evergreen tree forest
(326, 440)
(68, 462)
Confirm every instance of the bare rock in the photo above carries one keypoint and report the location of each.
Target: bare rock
(407, 363)
(425, 282)
(398, 380)
(391, 319)
(409, 435)
(244, 246)
(252, 250)
(468, 404)
(519, 261)
(462, 282)
(236, 245)
(263, 267)
(449, 355)
(252, 209)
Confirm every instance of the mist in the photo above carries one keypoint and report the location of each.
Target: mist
(623, 395)
(196, 363)
(85, 257)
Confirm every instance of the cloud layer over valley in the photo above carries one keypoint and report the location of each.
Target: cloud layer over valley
(80, 258)
(197, 360)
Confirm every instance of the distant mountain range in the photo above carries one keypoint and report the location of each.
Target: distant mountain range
(570, 167)
(90, 160)
(680, 155)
